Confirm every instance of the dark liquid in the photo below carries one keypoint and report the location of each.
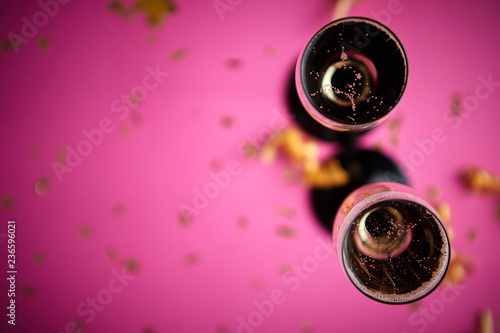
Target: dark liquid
(394, 250)
(354, 72)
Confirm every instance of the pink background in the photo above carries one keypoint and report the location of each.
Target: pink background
(50, 96)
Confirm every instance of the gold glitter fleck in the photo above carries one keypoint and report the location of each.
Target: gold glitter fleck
(444, 210)
(112, 253)
(286, 232)
(42, 185)
(192, 259)
(84, 231)
(394, 126)
(155, 10)
(270, 51)
(35, 151)
(62, 155)
(43, 43)
(132, 100)
(227, 121)
(485, 322)
(120, 8)
(7, 203)
(283, 268)
(286, 211)
(256, 284)
(434, 193)
(242, 223)
(136, 118)
(178, 54)
(131, 265)
(215, 165)
(185, 219)
(119, 210)
(497, 212)
(456, 104)
(27, 291)
(479, 180)
(234, 63)
(472, 235)
(124, 131)
(250, 150)
(306, 327)
(38, 258)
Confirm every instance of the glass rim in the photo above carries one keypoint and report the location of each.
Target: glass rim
(380, 197)
(300, 84)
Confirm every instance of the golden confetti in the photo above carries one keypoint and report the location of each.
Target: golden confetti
(38, 258)
(472, 235)
(250, 150)
(155, 10)
(192, 259)
(444, 210)
(256, 285)
(460, 266)
(270, 51)
(327, 175)
(132, 100)
(284, 268)
(497, 212)
(7, 203)
(136, 118)
(84, 231)
(479, 180)
(434, 193)
(112, 253)
(306, 327)
(227, 121)
(119, 210)
(456, 104)
(62, 155)
(35, 151)
(131, 265)
(43, 43)
(378, 146)
(42, 185)
(486, 324)
(215, 165)
(120, 8)
(414, 306)
(394, 126)
(242, 223)
(286, 232)
(7, 45)
(185, 219)
(124, 131)
(178, 54)
(286, 211)
(234, 63)
(27, 291)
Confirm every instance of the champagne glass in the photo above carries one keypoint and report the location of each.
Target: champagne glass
(351, 74)
(391, 244)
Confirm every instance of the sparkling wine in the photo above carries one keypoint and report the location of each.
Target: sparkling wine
(392, 245)
(351, 74)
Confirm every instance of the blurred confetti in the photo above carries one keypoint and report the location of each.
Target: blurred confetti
(256, 285)
(394, 126)
(124, 131)
(43, 43)
(38, 258)
(136, 118)
(283, 268)
(307, 326)
(7, 203)
(242, 223)
(221, 329)
(486, 324)
(42, 185)
(234, 63)
(456, 104)
(227, 121)
(35, 151)
(434, 194)
(84, 231)
(471, 235)
(131, 265)
(479, 180)
(148, 330)
(27, 291)
(286, 211)
(62, 155)
(112, 253)
(178, 54)
(185, 219)
(286, 232)
(250, 150)
(192, 259)
(270, 51)
(156, 10)
(119, 210)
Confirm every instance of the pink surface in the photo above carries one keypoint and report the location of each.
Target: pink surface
(205, 276)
